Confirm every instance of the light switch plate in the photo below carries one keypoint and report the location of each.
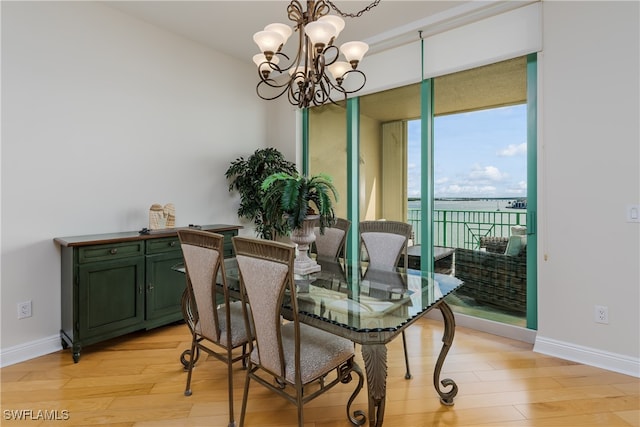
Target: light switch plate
(633, 213)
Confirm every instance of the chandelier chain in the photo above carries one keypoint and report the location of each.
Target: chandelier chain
(353, 15)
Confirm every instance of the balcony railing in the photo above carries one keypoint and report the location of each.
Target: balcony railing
(463, 229)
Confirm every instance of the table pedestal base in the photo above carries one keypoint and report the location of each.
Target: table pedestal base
(375, 364)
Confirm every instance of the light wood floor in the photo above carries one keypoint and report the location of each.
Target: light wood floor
(138, 381)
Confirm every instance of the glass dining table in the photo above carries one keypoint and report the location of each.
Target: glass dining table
(371, 308)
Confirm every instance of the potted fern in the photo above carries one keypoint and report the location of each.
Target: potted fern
(294, 204)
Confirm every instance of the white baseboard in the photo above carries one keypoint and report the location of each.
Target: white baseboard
(489, 326)
(589, 356)
(563, 350)
(30, 350)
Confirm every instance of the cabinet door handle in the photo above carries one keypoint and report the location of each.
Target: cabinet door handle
(172, 243)
(150, 287)
(113, 251)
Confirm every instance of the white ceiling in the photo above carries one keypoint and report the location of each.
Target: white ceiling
(228, 26)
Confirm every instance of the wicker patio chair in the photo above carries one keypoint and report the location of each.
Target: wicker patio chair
(385, 242)
(493, 276)
(289, 358)
(217, 330)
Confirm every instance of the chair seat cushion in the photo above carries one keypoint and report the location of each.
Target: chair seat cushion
(320, 352)
(514, 245)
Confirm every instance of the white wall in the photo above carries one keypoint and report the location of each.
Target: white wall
(589, 173)
(284, 129)
(102, 116)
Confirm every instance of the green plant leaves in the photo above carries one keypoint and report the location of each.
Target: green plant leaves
(246, 176)
(289, 198)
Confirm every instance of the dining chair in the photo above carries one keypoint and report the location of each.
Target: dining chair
(330, 245)
(290, 358)
(384, 243)
(217, 329)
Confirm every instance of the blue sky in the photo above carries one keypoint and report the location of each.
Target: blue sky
(476, 154)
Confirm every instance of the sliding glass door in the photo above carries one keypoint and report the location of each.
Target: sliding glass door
(453, 157)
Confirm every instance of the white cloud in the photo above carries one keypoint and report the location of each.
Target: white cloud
(513, 150)
(490, 173)
(519, 189)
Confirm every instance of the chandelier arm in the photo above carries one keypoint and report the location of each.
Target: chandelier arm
(324, 93)
(364, 81)
(295, 12)
(320, 8)
(272, 66)
(330, 49)
(328, 87)
(282, 69)
(272, 83)
(295, 97)
(309, 91)
(270, 98)
(318, 68)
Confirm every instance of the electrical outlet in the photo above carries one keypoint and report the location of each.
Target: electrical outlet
(602, 314)
(24, 309)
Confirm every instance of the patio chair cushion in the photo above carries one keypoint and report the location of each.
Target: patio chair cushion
(518, 230)
(514, 246)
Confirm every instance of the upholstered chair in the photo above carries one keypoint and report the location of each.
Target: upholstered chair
(217, 329)
(385, 242)
(330, 245)
(290, 358)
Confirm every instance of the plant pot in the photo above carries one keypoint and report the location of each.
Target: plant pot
(304, 237)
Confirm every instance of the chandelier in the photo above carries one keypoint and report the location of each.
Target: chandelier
(317, 73)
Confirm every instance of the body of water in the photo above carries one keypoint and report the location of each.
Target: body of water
(460, 223)
(469, 205)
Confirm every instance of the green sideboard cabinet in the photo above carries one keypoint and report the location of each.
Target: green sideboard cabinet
(114, 284)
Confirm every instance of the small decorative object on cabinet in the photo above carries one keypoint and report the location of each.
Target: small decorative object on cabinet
(162, 217)
(114, 284)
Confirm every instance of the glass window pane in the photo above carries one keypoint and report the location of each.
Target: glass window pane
(328, 148)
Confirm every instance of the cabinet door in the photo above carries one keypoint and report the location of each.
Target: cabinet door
(228, 244)
(164, 288)
(110, 297)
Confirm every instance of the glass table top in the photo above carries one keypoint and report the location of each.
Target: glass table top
(365, 299)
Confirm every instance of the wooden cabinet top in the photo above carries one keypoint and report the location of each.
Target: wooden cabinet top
(126, 236)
